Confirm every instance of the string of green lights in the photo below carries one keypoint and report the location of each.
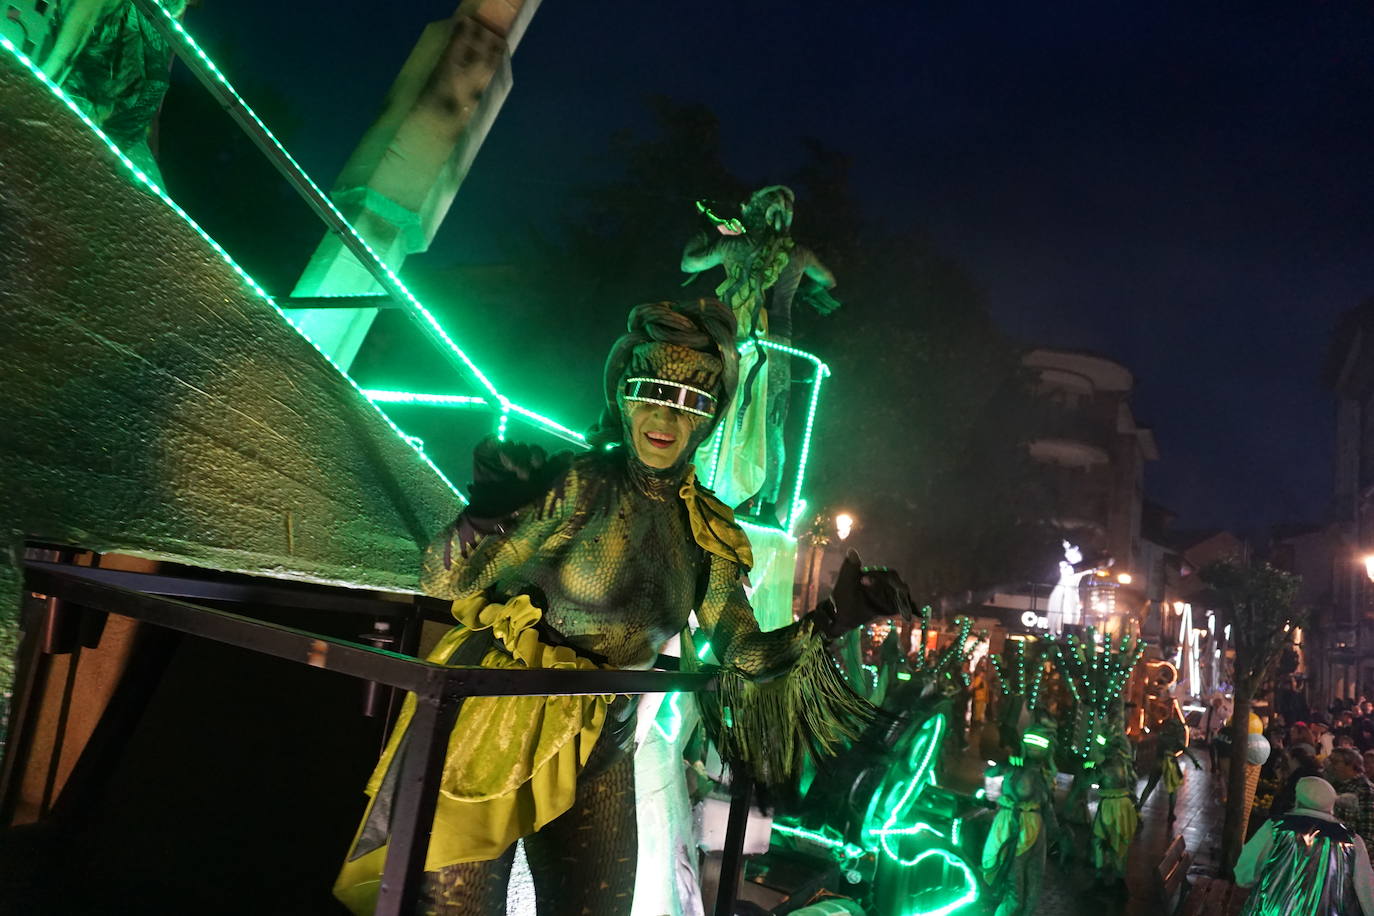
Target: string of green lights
(143, 178)
(214, 80)
(263, 134)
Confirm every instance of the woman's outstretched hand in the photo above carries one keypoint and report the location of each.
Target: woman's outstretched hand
(864, 593)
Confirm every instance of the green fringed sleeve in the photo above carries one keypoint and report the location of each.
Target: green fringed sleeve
(781, 695)
(771, 724)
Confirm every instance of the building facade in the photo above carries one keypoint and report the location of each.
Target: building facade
(1343, 632)
(1091, 453)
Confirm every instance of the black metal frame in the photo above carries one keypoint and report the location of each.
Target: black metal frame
(439, 690)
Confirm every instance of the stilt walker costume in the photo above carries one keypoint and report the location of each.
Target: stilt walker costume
(596, 561)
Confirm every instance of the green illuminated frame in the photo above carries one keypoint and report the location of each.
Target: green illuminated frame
(218, 83)
(819, 374)
(797, 507)
(969, 889)
(920, 762)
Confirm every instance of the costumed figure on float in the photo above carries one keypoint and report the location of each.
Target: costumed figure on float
(764, 270)
(596, 561)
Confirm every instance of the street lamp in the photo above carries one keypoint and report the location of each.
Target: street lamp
(844, 525)
(1124, 578)
(1369, 566)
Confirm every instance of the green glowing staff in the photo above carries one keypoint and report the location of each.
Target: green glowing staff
(730, 226)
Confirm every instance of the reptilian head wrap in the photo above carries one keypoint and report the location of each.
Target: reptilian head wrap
(770, 207)
(691, 344)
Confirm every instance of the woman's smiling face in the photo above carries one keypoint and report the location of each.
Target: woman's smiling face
(661, 433)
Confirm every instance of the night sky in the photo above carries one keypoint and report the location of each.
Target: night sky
(1185, 187)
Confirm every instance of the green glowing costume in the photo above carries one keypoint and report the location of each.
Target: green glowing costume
(1117, 818)
(1014, 853)
(597, 561)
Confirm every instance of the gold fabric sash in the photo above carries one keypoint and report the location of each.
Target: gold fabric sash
(713, 524)
(512, 762)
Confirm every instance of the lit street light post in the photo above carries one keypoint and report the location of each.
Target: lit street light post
(817, 538)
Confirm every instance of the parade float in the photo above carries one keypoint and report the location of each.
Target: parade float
(203, 505)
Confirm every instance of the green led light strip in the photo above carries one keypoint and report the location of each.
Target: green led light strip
(466, 400)
(558, 428)
(712, 464)
(834, 843)
(378, 396)
(920, 759)
(162, 195)
(214, 79)
(797, 502)
(821, 372)
(751, 526)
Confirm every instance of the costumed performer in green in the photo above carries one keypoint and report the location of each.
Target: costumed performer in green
(1014, 853)
(595, 561)
(1117, 818)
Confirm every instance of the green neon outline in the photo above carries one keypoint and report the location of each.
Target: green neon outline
(381, 396)
(970, 893)
(846, 850)
(558, 428)
(418, 306)
(924, 746)
(746, 524)
(675, 720)
(253, 285)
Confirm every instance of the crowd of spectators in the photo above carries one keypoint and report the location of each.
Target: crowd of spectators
(1337, 744)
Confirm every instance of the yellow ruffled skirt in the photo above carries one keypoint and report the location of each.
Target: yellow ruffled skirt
(1173, 774)
(512, 762)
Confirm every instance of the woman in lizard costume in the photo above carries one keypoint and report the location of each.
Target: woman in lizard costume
(596, 561)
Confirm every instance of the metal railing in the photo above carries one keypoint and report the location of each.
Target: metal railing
(439, 691)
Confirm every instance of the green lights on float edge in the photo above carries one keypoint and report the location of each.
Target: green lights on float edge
(378, 396)
(252, 284)
(820, 373)
(415, 305)
(821, 370)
